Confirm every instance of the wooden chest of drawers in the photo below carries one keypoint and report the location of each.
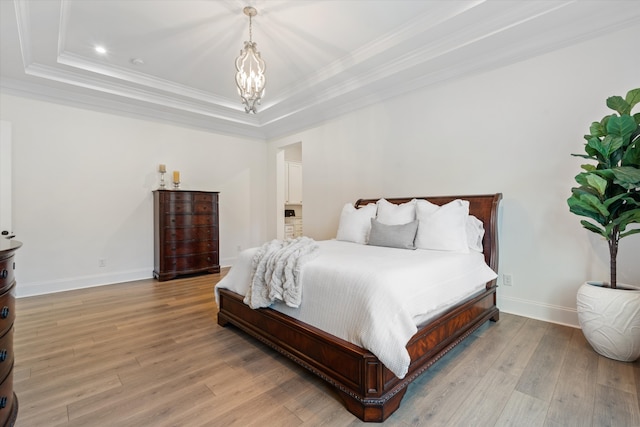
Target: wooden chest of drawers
(8, 399)
(185, 233)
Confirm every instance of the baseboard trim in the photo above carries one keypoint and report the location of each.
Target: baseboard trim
(73, 283)
(540, 311)
(228, 262)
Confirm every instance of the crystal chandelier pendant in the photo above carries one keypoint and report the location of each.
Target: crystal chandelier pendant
(250, 68)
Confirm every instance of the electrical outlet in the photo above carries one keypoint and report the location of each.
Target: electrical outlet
(507, 280)
(239, 248)
(102, 262)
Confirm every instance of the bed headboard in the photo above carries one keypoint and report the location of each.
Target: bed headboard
(484, 207)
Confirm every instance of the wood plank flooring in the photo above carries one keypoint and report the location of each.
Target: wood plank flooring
(150, 353)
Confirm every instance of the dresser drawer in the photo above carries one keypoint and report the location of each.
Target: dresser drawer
(6, 398)
(204, 197)
(204, 208)
(6, 353)
(188, 220)
(179, 207)
(190, 247)
(175, 196)
(194, 262)
(190, 234)
(7, 309)
(7, 267)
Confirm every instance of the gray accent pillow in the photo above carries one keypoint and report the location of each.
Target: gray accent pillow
(393, 236)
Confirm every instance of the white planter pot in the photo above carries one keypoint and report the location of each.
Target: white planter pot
(610, 319)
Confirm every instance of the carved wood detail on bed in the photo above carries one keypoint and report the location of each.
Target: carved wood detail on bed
(368, 389)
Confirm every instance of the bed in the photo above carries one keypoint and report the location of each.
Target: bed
(368, 388)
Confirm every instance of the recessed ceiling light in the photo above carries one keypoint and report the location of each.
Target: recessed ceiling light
(101, 50)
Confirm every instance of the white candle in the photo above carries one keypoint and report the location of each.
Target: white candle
(162, 168)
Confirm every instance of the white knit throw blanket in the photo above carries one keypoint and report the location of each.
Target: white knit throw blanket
(276, 271)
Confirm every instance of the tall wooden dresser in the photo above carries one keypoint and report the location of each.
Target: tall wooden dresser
(185, 233)
(8, 399)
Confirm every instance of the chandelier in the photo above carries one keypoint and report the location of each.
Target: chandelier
(250, 66)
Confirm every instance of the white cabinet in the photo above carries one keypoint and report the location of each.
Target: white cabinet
(293, 183)
(292, 228)
(289, 231)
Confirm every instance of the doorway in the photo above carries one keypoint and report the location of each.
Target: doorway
(290, 209)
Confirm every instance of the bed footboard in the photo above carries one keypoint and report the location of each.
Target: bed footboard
(368, 389)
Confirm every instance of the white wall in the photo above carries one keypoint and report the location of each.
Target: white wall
(512, 131)
(82, 183)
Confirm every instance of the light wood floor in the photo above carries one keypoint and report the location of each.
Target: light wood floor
(151, 354)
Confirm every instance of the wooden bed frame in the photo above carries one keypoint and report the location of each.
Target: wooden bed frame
(369, 389)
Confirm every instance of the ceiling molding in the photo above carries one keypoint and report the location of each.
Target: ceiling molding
(441, 41)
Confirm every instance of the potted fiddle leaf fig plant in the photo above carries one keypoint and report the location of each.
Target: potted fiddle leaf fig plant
(609, 196)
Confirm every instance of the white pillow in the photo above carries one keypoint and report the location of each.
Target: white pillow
(442, 228)
(475, 233)
(392, 214)
(355, 224)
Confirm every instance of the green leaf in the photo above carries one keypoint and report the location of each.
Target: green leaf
(618, 104)
(613, 143)
(630, 216)
(632, 156)
(584, 156)
(596, 129)
(582, 179)
(627, 177)
(591, 152)
(590, 179)
(622, 126)
(630, 232)
(592, 227)
(632, 98)
(599, 147)
(627, 218)
(623, 199)
(634, 215)
(577, 192)
(585, 204)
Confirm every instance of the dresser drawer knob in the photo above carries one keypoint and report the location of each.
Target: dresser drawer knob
(4, 313)
(3, 355)
(3, 402)
(4, 274)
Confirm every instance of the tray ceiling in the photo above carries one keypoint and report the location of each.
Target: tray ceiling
(173, 60)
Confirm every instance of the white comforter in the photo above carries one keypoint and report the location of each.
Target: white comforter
(375, 297)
